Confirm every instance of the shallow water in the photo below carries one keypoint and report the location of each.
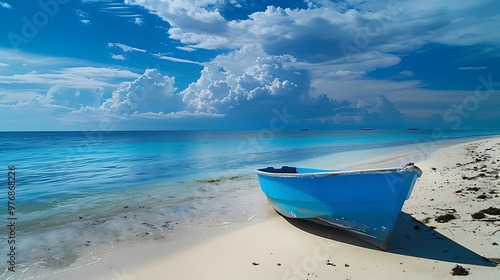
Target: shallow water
(82, 195)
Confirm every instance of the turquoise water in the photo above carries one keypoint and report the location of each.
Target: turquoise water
(97, 192)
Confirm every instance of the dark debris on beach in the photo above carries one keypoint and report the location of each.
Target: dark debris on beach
(491, 211)
(219, 180)
(481, 215)
(478, 215)
(445, 218)
(483, 170)
(459, 270)
(210, 181)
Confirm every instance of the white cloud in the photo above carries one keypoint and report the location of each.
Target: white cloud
(22, 59)
(100, 72)
(410, 97)
(4, 64)
(115, 7)
(82, 77)
(190, 21)
(371, 112)
(326, 31)
(187, 49)
(68, 98)
(336, 43)
(83, 16)
(149, 93)
(125, 48)
(117, 56)
(33, 75)
(311, 61)
(138, 21)
(81, 13)
(5, 5)
(66, 79)
(406, 73)
(175, 59)
(358, 65)
(341, 73)
(467, 22)
(246, 84)
(249, 84)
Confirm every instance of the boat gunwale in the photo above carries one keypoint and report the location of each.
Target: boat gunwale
(328, 173)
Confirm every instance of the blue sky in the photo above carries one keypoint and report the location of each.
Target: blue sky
(239, 64)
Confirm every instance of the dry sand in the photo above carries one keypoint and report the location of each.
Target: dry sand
(436, 231)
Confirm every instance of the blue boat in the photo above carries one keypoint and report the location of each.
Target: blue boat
(365, 203)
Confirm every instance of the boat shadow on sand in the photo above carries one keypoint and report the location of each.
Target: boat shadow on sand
(410, 238)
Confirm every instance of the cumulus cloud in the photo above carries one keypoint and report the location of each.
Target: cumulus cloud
(69, 97)
(149, 93)
(329, 43)
(327, 31)
(369, 113)
(247, 85)
(251, 86)
(383, 108)
(241, 77)
(190, 21)
(312, 62)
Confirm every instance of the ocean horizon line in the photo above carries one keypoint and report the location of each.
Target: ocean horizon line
(259, 129)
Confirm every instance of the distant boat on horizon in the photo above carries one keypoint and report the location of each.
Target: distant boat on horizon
(413, 128)
(366, 128)
(305, 128)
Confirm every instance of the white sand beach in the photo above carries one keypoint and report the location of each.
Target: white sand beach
(436, 231)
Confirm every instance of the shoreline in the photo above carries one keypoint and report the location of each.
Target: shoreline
(271, 247)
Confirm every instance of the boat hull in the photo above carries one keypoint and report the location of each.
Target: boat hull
(366, 203)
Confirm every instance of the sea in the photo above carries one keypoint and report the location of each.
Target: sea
(71, 198)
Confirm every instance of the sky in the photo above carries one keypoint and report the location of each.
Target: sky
(240, 64)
